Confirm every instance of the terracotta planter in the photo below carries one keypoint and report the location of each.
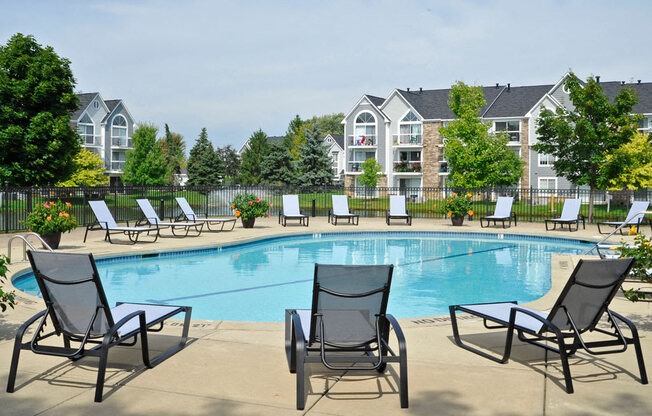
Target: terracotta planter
(52, 239)
(249, 222)
(457, 221)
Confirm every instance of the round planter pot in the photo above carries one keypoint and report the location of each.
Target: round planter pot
(52, 239)
(457, 221)
(249, 222)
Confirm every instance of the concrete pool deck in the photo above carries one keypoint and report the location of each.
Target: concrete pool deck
(239, 368)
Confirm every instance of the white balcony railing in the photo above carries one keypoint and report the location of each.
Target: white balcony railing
(366, 140)
(407, 139)
(117, 166)
(92, 140)
(403, 166)
(126, 143)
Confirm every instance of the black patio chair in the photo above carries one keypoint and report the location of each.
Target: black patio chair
(581, 305)
(80, 314)
(347, 324)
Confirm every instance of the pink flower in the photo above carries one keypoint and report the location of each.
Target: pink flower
(251, 203)
(271, 205)
(46, 206)
(258, 200)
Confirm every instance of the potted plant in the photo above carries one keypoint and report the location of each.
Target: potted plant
(248, 207)
(457, 206)
(50, 219)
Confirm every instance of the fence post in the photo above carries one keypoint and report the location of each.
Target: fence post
(84, 207)
(161, 209)
(206, 204)
(6, 203)
(313, 208)
(531, 202)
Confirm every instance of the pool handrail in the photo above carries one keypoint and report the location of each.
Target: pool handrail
(596, 246)
(26, 243)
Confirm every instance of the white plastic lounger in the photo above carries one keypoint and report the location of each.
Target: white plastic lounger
(633, 218)
(502, 212)
(341, 210)
(106, 222)
(291, 211)
(190, 215)
(570, 214)
(150, 216)
(397, 210)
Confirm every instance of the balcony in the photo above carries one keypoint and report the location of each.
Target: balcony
(355, 166)
(366, 140)
(91, 140)
(407, 167)
(117, 166)
(121, 142)
(407, 139)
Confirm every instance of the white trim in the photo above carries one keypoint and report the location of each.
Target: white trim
(396, 92)
(364, 97)
(539, 164)
(554, 178)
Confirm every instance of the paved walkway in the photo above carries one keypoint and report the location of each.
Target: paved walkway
(239, 368)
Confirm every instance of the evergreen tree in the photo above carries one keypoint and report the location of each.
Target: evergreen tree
(315, 166)
(277, 167)
(230, 159)
(146, 164)
(295, 136)
(204, 166)
(252, 158)
(37, 143)
(174, 149)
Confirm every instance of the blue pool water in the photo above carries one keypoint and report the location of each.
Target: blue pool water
(257, 281)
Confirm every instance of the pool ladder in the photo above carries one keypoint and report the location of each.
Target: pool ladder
(26, 243)
(600, 244)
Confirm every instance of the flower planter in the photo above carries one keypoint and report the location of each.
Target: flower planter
(457, 221)
(52, 239)
(249, 222)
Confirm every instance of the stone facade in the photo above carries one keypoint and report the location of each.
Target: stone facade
(431, 154)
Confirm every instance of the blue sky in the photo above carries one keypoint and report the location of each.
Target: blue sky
(234, 67)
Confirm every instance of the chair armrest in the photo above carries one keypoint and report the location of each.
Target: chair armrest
(544, 321)
(398, 331)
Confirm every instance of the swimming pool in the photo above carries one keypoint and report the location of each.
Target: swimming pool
(257, 281)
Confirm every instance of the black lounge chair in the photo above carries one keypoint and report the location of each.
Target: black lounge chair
(634, 218)
(502, 212)
(189, 214)
(346, 325)
(580, 307)
(341, 210)
(570, 214)
(80, 314)
(291, 211)
(397, 210)
(106, 222)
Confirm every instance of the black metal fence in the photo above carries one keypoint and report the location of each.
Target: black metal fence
(529, 204)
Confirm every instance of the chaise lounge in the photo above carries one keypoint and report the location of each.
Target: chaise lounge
(582, 304)
(397, 210)
(106, 222)
(347, 325)
(502, 212)
(190, 215)
(291, 211)
(80, 314)
(149, 216)
(634, 218)
(570, 214)
(341, 210)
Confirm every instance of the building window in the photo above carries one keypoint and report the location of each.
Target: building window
(409, 130)
(96, 104)
(358, 158)
(512, 128)
(365, 130)
(86, 130)
(119, 131)
(547, 184)
(407, 161)
(645, 125)
(546, 159)
(118, 160)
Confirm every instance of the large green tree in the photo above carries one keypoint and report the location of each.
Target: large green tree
(295, 137)
(629, 166)
(174, 149)
(252, 158)
(204, 165)
(230, 159)
(146, 164)
(277, 167)
(582, 135)
(37, 143)
(476, 157)
(315, 166)
(89, 170)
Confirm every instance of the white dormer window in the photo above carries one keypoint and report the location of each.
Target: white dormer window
(96, 104)
(86, 130)
(409, 130)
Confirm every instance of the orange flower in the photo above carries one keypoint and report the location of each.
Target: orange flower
(434, 205)
(468, 195)
(449, 214)
(53, 204)
(471, 212)
(232, 206)
(61, 214)
(65, 214)
(450, 200)
(454, 194)
(237, 213)
(48, 218)
(271, 205)
(68, 204)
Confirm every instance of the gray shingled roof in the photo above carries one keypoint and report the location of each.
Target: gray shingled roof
(84, 100)
(643, 90)
(433, 104)
(273, 139)
(339, 139)
(517, 101)
(111, 104)
(377, 101)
